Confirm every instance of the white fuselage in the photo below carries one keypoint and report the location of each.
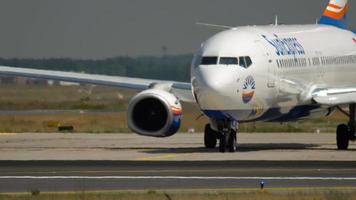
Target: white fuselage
(287, 64)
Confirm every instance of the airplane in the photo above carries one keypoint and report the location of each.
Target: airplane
(271, 73)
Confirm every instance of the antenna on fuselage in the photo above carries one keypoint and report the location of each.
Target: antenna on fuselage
(215, 26)
(276, 20)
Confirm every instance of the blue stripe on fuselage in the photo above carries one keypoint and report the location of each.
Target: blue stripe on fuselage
(271, 115)
(296, 113)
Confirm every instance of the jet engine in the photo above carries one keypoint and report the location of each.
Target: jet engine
(154, 113)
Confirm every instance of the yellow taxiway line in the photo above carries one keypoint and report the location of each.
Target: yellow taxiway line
(162, 157)
(7, 134)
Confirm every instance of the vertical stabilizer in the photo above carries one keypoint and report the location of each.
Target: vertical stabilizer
(335, 13)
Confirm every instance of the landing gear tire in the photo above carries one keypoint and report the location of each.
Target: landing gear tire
(346, 133)
(210, 137)
(342, 137)
(227, 130)
(227, 141)
(232, 142)
(222, 142)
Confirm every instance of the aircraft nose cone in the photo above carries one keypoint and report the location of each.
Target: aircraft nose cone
(210, 81)
(214, 87)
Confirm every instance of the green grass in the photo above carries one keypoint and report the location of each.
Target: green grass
(26, 97)
(162, 195)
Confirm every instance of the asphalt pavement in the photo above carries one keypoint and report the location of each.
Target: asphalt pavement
(96, 162)
(22, 176)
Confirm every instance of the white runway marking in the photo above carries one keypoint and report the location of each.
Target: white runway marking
(180, 177)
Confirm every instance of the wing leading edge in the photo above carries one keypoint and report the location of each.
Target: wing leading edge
(335, 96)
(320, 95)
(180, 89)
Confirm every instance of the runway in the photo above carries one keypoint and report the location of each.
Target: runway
(22, 176)
(180, 147)
(96, 162)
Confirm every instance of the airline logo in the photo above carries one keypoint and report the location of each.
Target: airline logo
(336, 9)
(285, 46)
(248, 89)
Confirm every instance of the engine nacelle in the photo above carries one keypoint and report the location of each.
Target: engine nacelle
(154, 113)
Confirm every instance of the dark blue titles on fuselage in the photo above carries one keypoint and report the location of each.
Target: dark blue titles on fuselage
(285, 46)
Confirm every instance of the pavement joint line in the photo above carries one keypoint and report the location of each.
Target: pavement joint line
(184, 177)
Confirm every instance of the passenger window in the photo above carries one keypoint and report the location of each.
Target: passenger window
(245, 61)
(228, 61)
(209, 61)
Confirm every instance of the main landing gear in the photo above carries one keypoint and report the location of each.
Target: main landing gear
(226, 136)
(346, 133)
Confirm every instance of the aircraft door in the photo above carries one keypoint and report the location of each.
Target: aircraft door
(271, 83)
(271, 68)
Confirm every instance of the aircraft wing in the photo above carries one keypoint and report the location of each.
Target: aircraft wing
(335, 96)
(320, 95)
(180, 89)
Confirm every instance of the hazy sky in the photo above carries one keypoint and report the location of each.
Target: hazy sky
(106, 28)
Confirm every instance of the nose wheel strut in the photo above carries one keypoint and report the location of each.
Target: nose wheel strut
(227, 136)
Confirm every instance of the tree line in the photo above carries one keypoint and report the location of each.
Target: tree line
(171, 67)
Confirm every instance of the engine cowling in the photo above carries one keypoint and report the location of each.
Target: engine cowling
(154, 113)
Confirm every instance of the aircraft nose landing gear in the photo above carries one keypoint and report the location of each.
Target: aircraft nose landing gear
(227, 131)
(227, 141)
(226, 135)
(345, 133)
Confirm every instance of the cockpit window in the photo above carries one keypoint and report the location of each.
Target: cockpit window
(196, 60)
(245, 61)
(209, 61)
(228, 61)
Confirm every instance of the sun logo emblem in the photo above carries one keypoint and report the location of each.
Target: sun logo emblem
(248, 89)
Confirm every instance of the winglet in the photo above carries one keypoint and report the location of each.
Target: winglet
(335, 13)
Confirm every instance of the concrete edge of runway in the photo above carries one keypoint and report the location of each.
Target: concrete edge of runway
(197, 164)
